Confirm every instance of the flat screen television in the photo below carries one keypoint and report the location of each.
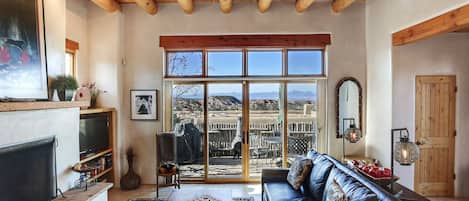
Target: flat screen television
(28, 171)
(94, 134)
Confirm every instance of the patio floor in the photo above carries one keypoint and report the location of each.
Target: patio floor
(226, 166)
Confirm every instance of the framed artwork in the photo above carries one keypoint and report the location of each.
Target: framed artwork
(144, 104)
(23, 71)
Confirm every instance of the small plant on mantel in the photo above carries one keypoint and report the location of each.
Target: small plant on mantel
(94, 92)
(65, 86)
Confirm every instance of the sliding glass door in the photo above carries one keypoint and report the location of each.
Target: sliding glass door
(265, 127)
(225, 130)
(188, 126)
(236, 112)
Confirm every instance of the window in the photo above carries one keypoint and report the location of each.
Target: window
(71, 48)
(187, 123)
(302, 116)
(245, 63)
(70, 63)
(305, 62)
(225, 63)
(268, 99)
(265, 63)
(184, 63)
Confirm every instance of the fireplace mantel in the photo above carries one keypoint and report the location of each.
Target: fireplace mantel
(40, 105)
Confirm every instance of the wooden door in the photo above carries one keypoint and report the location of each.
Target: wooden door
(435, 131)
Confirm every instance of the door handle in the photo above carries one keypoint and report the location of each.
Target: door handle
(419, 143)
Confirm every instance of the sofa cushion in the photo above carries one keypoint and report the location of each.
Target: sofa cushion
(281, 191)
(313, 154)
(353, 189)
(299, 171)
(314, 185)
(333, 192)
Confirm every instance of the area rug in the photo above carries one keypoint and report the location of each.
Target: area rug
(244, 199)
(234, 199)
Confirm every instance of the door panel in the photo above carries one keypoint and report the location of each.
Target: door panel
(225, 130)
(265, 127)
(435, 127)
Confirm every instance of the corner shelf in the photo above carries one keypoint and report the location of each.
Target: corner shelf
(88, 159)
(99, 175)
(97, 110)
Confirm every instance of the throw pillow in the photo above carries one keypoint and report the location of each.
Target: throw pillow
(334, 192)
(299, 171)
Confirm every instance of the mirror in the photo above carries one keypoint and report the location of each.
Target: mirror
(348, 104)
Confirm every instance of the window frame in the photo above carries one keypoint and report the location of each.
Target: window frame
(71, 47)
(245, 68)
(323, 58)
(166, 68)
(243, 62)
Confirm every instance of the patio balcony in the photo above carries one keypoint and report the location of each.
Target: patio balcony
(265, 145)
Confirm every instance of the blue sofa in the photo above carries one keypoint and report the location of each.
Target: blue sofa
(325, 169)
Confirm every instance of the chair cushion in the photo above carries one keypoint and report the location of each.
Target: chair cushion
(299, 171)
(281, 191)
(353, 189)
(314, 185)
(333, 192)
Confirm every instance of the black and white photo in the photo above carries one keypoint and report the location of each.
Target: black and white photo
(144, 104)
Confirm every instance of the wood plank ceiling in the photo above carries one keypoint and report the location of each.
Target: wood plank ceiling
(151, 6)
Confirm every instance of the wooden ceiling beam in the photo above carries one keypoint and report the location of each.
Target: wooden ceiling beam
(451, 21)
(108, 5)
(302, 5)
(186, 5)
(150, 6)
(263, 5)
(226, 5)
(340, 5)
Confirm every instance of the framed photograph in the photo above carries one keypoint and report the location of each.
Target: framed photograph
(144, 104)
(23, 71)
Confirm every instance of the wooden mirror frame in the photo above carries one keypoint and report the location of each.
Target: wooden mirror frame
(360, 97)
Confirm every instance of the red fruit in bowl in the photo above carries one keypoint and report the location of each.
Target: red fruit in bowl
(366, 168)
(380, 174)
(387, 172)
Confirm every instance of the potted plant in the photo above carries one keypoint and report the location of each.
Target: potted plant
(65, 86)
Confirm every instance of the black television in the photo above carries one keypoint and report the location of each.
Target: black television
(28, 171)
(94, 134)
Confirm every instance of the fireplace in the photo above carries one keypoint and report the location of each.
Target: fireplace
(28, 171)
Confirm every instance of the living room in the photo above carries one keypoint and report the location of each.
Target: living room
(220, 98)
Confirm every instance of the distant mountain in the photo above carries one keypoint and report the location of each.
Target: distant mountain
(292, 95)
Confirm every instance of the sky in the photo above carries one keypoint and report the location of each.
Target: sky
(259, 63)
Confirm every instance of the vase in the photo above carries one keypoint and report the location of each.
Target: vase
(93, 102)
(130, 180)
(69, 93)
(65, 94)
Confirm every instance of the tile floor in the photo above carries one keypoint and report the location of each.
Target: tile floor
(148, 191)
(448, 199)
(237, 190)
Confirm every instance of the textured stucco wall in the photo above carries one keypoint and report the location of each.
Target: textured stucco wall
(144, 59)
(383, 17)
(441, 55)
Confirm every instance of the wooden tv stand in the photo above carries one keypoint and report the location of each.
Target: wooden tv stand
(108, 174)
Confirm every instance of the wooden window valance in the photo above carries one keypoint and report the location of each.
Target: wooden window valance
(71, 46)
(246, 41)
